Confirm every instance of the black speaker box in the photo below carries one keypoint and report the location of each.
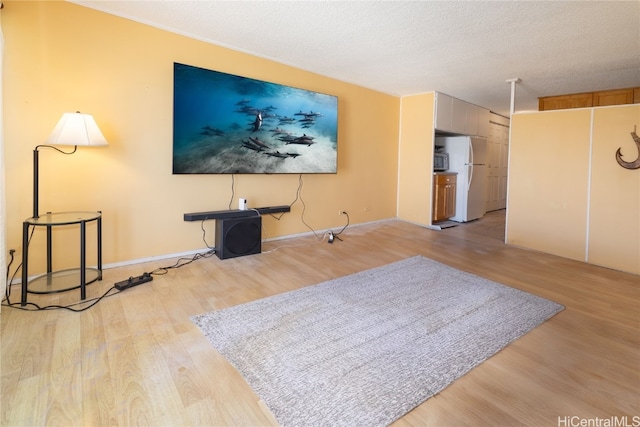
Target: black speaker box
(238, 236)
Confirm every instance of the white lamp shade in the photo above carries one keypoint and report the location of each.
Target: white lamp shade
(76, 129)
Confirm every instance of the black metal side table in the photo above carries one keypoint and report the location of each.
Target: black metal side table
(61, 280)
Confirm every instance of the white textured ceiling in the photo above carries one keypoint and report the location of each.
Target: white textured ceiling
(467, 49)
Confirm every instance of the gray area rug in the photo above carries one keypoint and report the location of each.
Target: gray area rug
(365, 349)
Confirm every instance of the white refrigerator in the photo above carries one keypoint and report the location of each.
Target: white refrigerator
(467, 157)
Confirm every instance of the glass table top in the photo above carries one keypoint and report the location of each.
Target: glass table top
(61, 218)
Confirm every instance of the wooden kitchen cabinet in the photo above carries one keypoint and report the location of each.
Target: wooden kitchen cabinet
(590, 99)
(613, 97)
(444, 196)
(561, 102)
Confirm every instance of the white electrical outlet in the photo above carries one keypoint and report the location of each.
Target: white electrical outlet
(242, 204)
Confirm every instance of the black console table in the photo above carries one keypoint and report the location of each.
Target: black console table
(239, 232)
(62, 280)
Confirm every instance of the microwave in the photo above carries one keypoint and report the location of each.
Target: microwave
(440, 161)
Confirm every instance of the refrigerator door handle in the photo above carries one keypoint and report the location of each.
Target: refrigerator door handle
(470, 166)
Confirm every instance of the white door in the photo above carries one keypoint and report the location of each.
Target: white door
(504, 169)
(497, 163)
(493, 169)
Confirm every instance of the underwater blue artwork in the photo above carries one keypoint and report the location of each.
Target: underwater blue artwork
(228, 124)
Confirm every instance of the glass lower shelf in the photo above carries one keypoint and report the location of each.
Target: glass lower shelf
(62, 280)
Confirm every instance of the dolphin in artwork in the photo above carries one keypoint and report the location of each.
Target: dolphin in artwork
(247, 144)
(282, 155)
(258, 142)
(285, 120)
(277, 154)
(298, 141)
(279, 131)
(211, 131)
(304, 139)
(286, 138)
(308, 115)
(257, 123)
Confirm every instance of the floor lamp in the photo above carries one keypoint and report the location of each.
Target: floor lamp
(75, 129)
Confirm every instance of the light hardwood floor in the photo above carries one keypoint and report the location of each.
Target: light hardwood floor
(136, 359)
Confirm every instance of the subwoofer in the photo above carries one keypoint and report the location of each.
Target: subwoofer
(238, 236)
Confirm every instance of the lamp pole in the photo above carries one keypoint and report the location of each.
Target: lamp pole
(35, 182)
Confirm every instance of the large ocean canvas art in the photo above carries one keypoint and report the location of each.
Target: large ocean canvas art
(228, 124)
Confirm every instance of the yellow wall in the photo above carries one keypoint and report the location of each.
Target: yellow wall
(614, 226)
(564, 197)
(567, 194)
(61, 57)
(548, 182)
(416, 159)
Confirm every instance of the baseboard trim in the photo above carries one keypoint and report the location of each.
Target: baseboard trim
(269, 239)
(202, 250)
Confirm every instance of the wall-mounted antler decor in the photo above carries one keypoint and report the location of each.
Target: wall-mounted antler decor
(636, 163)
